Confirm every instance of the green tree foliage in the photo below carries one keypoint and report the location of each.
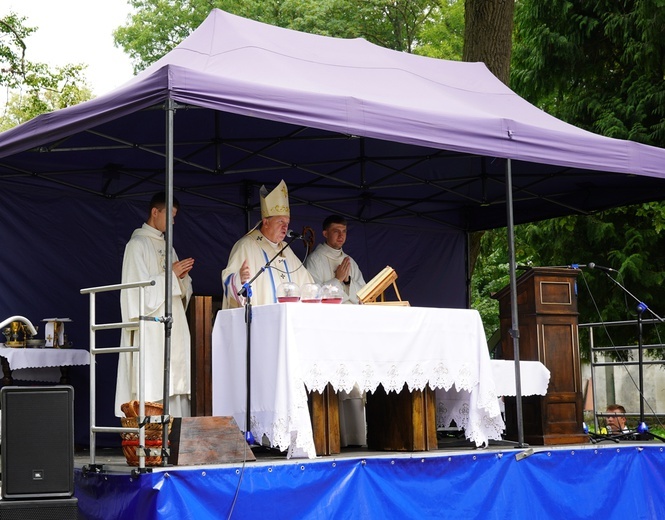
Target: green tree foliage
(598, 65)
(12, 50)
(492, 273)
(626, 239)
(433, 28)
(45, 91)
(33, 88)
(443, 36)
(402, 25)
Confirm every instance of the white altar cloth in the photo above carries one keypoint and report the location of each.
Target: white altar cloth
(22, 361)
(299, 347)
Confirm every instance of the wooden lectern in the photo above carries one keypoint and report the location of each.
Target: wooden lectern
(374, 291)
(547, 314)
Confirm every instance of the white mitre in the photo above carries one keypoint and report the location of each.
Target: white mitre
(276, 202)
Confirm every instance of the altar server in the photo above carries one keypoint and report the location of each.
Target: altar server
(329, 264)
(144, 259)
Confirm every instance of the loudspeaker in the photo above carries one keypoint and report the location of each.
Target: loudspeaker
(39, 509)
(37, 441)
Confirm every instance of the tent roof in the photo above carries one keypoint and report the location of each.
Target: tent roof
(353, 128)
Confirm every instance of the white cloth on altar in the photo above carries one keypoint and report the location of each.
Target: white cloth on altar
(144, 260)
(322, 263)
(258, 250)
(298, 348)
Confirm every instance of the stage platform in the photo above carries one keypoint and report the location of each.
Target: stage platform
(612, 480)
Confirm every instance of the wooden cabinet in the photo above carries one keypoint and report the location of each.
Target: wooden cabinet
(547, 315)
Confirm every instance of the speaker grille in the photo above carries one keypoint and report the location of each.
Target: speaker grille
(37, 442)
(40, 509)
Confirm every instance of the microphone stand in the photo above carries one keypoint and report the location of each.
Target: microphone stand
(246, 291)
(642, 428)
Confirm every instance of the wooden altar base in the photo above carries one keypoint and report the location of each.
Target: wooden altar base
(324, 412)
(404, 421)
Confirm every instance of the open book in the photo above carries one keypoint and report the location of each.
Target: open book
(373, 292)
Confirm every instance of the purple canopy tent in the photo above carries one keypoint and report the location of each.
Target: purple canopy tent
(412, 150)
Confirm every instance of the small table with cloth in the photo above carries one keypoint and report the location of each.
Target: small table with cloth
(38, 364)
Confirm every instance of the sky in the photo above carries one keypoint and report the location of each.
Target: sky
(77, 32)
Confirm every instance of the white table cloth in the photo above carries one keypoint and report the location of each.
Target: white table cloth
(23, 361)
(299, 347)
(535, 377)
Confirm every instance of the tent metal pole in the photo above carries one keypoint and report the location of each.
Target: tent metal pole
(168, 285)
(514, 329)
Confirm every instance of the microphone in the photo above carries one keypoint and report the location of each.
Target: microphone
(601, 268)
(292, 234)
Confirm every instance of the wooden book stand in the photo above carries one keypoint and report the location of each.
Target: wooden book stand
(373, 293)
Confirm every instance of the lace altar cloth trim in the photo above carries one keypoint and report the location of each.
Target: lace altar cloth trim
(20, 358)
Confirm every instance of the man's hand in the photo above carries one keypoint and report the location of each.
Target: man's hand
(183, 267)
(245, 273)
(343, 270)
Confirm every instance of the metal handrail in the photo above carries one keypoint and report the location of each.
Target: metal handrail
(94, 327)
(593, 349)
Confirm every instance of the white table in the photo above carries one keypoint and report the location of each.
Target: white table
(535, 377)
(300, 347)
(22, 361)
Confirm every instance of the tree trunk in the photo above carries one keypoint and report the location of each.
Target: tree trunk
(488, 33)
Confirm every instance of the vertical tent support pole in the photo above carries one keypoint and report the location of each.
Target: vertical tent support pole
(514, 329)
(168, 285)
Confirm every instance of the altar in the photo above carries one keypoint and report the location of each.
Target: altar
(296, 348)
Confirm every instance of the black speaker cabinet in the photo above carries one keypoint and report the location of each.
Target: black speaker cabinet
(37, 441)
(39, 509)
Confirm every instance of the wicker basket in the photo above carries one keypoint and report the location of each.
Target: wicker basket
(129, 449)
(153, 432)
(131, 409)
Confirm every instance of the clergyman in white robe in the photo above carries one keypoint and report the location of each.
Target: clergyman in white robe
(144, 259)
(257, 250)
(323, 262)
(252, 253)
